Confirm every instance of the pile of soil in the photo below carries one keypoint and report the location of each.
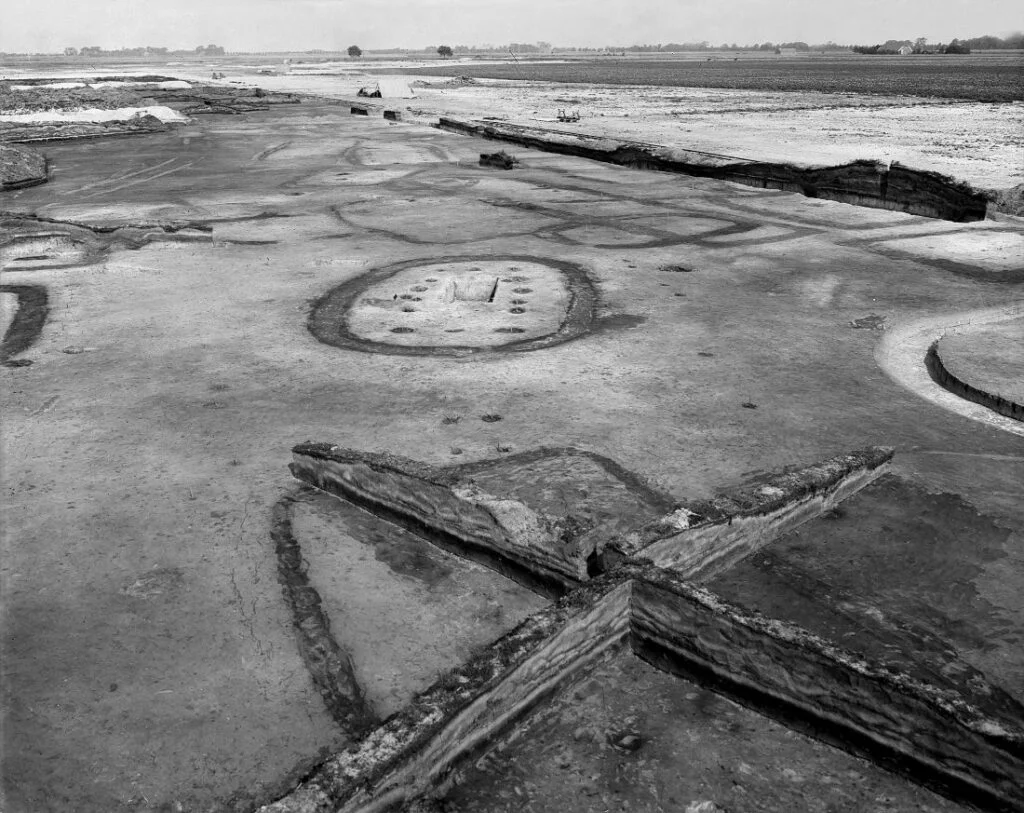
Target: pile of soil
(40, 99)
(60, 131)
(195, 100)
(21, 167)
(456, 82)
(1008, 201)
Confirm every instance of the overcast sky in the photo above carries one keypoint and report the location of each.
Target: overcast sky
(277, 25)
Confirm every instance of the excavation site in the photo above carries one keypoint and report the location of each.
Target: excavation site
(374, 453)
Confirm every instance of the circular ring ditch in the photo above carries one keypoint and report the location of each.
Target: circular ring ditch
(329, 320)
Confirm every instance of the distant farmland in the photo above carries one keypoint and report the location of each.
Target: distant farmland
(987, 77)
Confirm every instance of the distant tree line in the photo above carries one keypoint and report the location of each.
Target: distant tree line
(514, 47)
(954, 46)
(919, 46)
(148, 50)
(704, 45)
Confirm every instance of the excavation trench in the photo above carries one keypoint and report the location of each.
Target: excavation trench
(860, 183)
(775, 667)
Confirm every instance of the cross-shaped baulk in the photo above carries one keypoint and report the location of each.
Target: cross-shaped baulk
(642, 588)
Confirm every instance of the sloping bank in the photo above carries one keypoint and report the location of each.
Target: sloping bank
(20, 167)
(861, 183)
(956, 385)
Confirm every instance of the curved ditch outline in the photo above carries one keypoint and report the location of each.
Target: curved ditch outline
(329, 666)
(947, 380)
(1009, 276)
(902, 351)
(27, 325)
(329, 324)
(646, 228)
(404, 237)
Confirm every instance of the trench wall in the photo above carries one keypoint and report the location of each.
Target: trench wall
(932, 736)
(959, 387)
(701, 540)
(861, 183)
(524, 544)
(414, 752)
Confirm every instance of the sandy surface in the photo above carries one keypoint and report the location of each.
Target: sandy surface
(150, 658)
(171, 84)
(980, 143)
(93, 114)
(976, 142)
(993, 252)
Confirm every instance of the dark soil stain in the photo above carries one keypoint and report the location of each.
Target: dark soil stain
(406, 554)
(619, 321)
(156, 582)
(872, 322)
(27, 325)
(329, 665)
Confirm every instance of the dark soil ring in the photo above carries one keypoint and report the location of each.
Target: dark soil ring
(328, 318)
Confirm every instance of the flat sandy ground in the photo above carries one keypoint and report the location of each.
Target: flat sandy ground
(150, 662)
(978, 142)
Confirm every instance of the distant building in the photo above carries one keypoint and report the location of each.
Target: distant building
(786, 51)
(905, 50)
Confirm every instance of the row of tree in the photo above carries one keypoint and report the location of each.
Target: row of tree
(704, 45)
(954, 46)
(149, 50)
(898, 46)
(1014, 41)
(444, 51)
(919, 46)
